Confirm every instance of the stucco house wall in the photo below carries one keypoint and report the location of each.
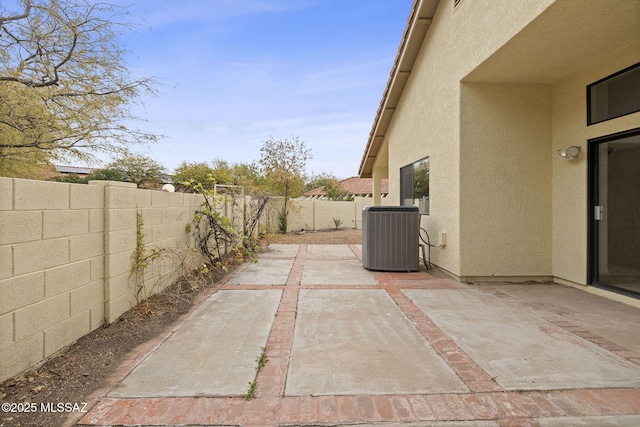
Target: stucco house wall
(495, 90)
(505, 180)
(570, 178)
(439, 127)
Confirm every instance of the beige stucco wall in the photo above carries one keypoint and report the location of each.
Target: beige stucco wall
(505, 180)
(427, 119)
(492, 96)
(570, 210)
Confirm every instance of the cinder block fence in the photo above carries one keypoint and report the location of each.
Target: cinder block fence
(320, 214)
(66, 256)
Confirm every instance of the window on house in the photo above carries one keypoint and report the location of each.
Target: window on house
(614, 96)
(414, 185)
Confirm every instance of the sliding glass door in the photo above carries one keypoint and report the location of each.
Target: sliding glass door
(615, 211)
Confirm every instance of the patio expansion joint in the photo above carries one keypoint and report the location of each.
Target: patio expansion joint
(559, 321)
(596, 339)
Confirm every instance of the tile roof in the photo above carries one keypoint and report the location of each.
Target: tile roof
(355, 186)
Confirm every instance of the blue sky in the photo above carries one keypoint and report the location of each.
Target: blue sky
(235, 72)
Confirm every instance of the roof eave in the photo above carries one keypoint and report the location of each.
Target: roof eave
(420, 18)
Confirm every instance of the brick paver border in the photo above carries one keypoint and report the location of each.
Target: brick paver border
(506, 407)
(271, 407)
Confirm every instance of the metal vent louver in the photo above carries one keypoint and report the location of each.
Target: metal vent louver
(390, 238)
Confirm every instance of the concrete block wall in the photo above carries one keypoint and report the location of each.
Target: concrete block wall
(164, 224)
(269, 219)
(66, 260)
(362, 202)
(51, 268)
(327, 211)
(66, 255)
(301, 215)
(319, 214)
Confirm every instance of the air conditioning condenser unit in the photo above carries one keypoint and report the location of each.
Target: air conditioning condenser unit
(390, 238)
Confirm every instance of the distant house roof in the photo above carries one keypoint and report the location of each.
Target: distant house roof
(74, 169)
(354, 186)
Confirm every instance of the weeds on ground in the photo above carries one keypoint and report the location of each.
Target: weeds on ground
(261, 361)
(337, 222)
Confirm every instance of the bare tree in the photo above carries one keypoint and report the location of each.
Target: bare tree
(64, 87)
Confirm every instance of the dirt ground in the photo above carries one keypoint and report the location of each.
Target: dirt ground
(343, 236)
(82, 369)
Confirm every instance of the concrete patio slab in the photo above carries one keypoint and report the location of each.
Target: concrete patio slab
(606, 421)
(358, 342)
(414, 349)
(336, 272)
(265, 272)
(614, 321)
(279, 251)
(330, 252)
(520, 350)
(212, 354)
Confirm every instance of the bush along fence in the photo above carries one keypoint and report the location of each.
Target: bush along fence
(227, 222)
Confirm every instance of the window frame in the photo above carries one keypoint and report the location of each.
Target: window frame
(590, 121)
(408, 172)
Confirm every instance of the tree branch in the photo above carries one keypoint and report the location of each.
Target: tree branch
(27, 11)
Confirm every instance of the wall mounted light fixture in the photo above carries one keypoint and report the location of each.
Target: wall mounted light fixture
(570, 152)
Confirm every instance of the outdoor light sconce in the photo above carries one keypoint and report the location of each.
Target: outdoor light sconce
(570, 152)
